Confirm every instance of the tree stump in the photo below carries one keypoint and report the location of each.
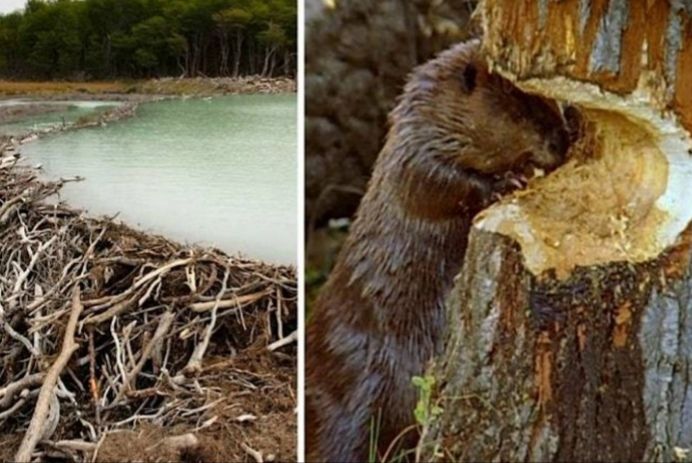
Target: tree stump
(571, 322)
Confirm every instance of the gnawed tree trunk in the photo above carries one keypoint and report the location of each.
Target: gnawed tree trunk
(571, 322)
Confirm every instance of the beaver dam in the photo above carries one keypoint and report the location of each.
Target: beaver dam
(117, 345)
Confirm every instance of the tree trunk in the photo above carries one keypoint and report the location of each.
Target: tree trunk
(268, 54)
(238, 52)
(272, 65)
(196, 58)
(225, 52)
(204, 71)
(107, 56)
(252, 58)
(188, 58)
(592, 368)
(287, 61)
(571, 322)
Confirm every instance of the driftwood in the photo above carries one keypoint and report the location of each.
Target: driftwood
(147, 308)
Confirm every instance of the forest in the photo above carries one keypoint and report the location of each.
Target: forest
(115, 39)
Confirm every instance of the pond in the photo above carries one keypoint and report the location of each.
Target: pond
(220, 172)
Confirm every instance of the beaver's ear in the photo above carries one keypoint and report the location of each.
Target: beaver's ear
(468, 77)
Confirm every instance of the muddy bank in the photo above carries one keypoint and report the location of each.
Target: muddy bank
(126, 91)
(161, 350)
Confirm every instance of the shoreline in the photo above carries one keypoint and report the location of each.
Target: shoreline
(168, 86)
(12, 161)
(131, 94)
(126, 110)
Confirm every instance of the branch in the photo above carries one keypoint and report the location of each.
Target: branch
(164, 325)
(283, 341)
(69, 346)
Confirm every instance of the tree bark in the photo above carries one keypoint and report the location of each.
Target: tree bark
(570, 325)
(225, 51)
(592, 368)
(268, 65)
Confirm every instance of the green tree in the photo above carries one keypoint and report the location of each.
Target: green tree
(232, 21)
(136, 38)
(274, 39)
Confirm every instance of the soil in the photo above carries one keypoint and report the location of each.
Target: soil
(264, 421)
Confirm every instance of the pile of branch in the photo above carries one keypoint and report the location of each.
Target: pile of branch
(102, 327)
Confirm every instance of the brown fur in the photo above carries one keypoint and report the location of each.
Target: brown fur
(380, 318)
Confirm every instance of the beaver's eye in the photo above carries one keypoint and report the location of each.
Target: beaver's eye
(469, 77)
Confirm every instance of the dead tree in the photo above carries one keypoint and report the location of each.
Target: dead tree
(571, 322)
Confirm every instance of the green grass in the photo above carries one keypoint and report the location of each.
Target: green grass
(425, 412)
(375, 422)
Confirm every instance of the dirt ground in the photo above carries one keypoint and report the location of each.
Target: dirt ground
(250, 421)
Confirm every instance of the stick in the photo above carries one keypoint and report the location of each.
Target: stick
(20, 280)
(283, 341)
(72, 444)
(194, 365)
(164, 325)
(123, 304)
(257, 456)
(22, 400)
(148, 277)
(8, 392)
(69, 346)
(18, 337)
(228, 303)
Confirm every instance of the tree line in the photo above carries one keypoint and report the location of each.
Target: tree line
(106, 39)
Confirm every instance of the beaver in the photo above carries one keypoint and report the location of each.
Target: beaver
(380, 318)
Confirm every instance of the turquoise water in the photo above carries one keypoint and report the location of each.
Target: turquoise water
(219, 172)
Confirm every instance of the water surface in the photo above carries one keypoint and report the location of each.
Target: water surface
(216, 172)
